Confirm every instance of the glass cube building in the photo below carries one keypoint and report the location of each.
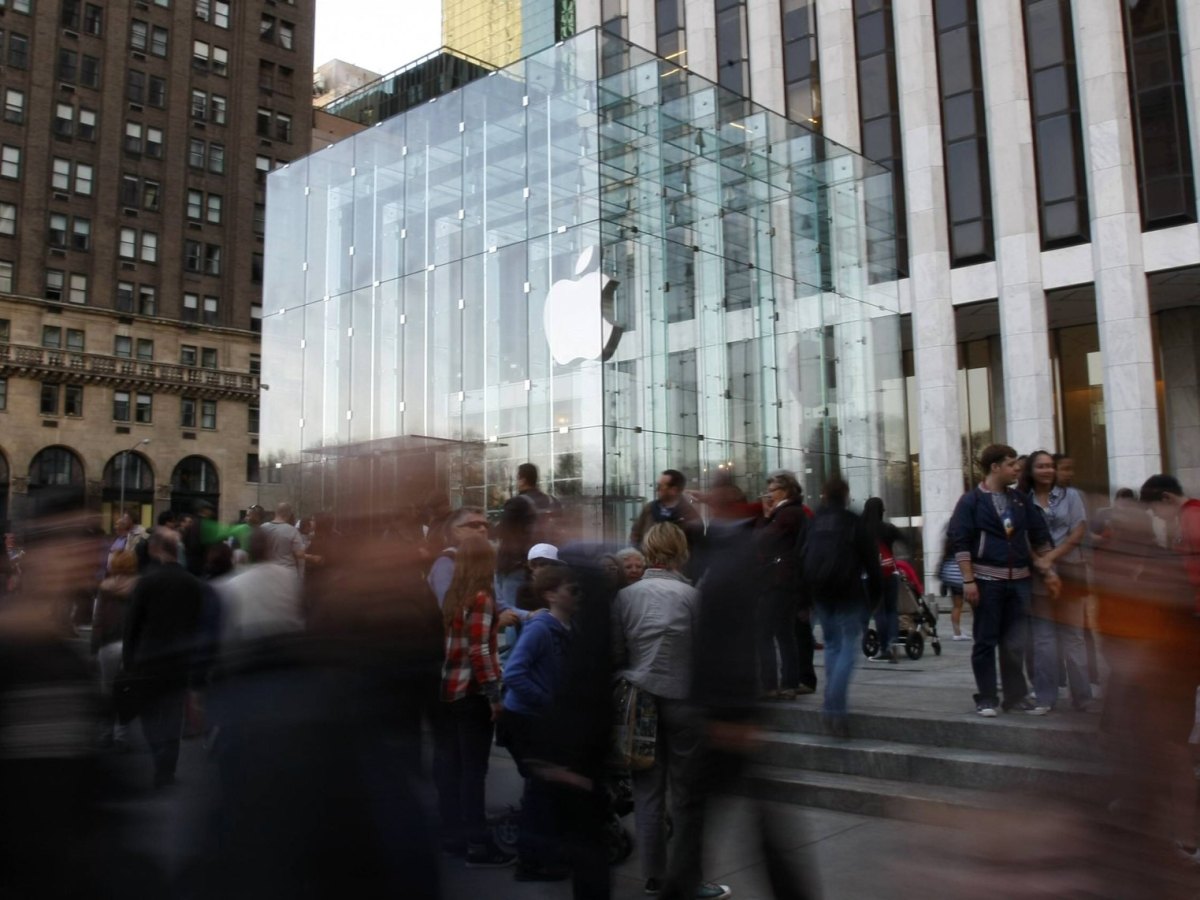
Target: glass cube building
(593, 260)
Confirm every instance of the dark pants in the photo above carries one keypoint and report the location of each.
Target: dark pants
(887, 615)
(806, 647)
(537, 838)
(1000, 622)
(777, 625)
(162, 723)
(463, 742)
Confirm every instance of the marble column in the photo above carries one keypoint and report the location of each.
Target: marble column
(765, 24)
(839, 75)
(935, 350)
(1028, 385)
(701, 28)
(642, 29)
(1189, 43)
(1122, 297)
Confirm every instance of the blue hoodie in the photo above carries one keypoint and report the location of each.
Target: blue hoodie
(534, 672)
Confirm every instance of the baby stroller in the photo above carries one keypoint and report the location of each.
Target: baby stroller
(918, 619)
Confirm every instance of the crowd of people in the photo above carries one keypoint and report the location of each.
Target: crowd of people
(315, 659)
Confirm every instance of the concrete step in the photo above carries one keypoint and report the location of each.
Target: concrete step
(952, 767)
(1066, 735)
(864, 796)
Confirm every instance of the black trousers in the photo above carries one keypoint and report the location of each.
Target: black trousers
(462, 742)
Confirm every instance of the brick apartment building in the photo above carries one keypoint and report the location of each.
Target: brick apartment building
(134, 145)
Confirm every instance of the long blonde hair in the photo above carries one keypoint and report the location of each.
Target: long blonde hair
(474, 571)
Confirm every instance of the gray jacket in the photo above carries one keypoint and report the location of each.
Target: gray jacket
(654, 623)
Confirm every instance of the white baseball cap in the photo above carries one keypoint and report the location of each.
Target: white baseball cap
(543, 551)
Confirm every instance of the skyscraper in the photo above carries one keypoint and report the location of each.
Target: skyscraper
(136, 140)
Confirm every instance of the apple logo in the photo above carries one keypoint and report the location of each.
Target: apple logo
(578, 314)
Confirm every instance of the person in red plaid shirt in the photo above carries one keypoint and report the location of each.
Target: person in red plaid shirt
(471, 702)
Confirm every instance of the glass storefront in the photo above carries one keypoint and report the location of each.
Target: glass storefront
(568, 263)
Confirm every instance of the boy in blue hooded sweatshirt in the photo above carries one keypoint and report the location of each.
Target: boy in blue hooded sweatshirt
(532, 680)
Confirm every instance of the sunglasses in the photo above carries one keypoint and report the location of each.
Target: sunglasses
(476, 525)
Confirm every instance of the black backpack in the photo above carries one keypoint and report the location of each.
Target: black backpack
(829, 558)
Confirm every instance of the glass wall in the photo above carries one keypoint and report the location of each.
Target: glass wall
(581, 270)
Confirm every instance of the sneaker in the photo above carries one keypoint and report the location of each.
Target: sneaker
(488, 856)
(653, 886)
(987, 710)
(961, 637)
(787, 694)
(1038, 711)
(710, 890)
(805, 689)
(1022, 705)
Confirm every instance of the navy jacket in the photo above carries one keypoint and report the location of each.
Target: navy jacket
(978, 536)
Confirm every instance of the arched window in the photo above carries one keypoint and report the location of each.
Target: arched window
(4, 479)
(128, 477)
(55, 480)
(195, 481)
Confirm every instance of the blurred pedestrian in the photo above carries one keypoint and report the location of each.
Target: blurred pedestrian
(160, 641)
(284, 545)
(108, 630)
(471, 697)
(886, 604)
(654, 623)
(527, 518)
(780, 534)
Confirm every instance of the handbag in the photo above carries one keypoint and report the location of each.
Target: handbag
(635, 728)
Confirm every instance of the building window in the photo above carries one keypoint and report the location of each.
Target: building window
(145, 409)
(256, 318)
(89, 72)
(75, 340)
(149, 247)
(93, 19)
(191, 307)
(87, 125)
(68, 64)
(58, 230)
(139, 33)
(158, 42)
(147, 305)
(252, 419)
(216, 159)
(208, 357)
(217, 107)
(14, 106)
(210, 311)
(196, 153)
(283, 127)
(255, 364)
(81, 234)
(120, 406)
(187, 412)
(212, 259)
(262, 166)
(49, 399)
(73, 400)
(3, 393)
(6, 285)
(55, 282)
(124, 296)
(260, 219)
(60, 174)
(123, 346)
(127, 243)
(156, 96)
(135, 86)
(879, 112)
(733, 66)
(83, 179)
(801, 71)
(263, 122)
(64, 119)
(1159, 104)
(192, 251)
(78, 289)
(251, 466)
(1057, 135)
(18, 51)
(69, 17)
(10, 162)
(8, 218)
(187, 355)
(220, 16)
(199, 105)
(154, 143)
(133, 137)
(213, 209)
(256, 268)
(195, 204)
(145, 349)
(52, 337)
(149, 194)
(964, 133)
(208, 414)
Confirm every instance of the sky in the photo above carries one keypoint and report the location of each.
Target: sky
(380, 35)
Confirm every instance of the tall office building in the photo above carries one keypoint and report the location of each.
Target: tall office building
(136, 140)
(1042, 168)
(499, 32)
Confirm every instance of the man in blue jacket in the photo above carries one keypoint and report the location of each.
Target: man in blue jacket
(998, 538)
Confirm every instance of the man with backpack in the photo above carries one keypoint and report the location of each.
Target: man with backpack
(527, 518)
(839, 555)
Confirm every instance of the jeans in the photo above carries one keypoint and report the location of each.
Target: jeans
(162, 723)
(1000, 623)
(463, 740)
(841, 624)
(777, 624)
(1057, 630)
(887, 615)
(680, 732)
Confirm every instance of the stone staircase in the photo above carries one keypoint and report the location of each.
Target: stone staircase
(918, 750)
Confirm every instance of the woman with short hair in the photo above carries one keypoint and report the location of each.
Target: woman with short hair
(779, 536)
